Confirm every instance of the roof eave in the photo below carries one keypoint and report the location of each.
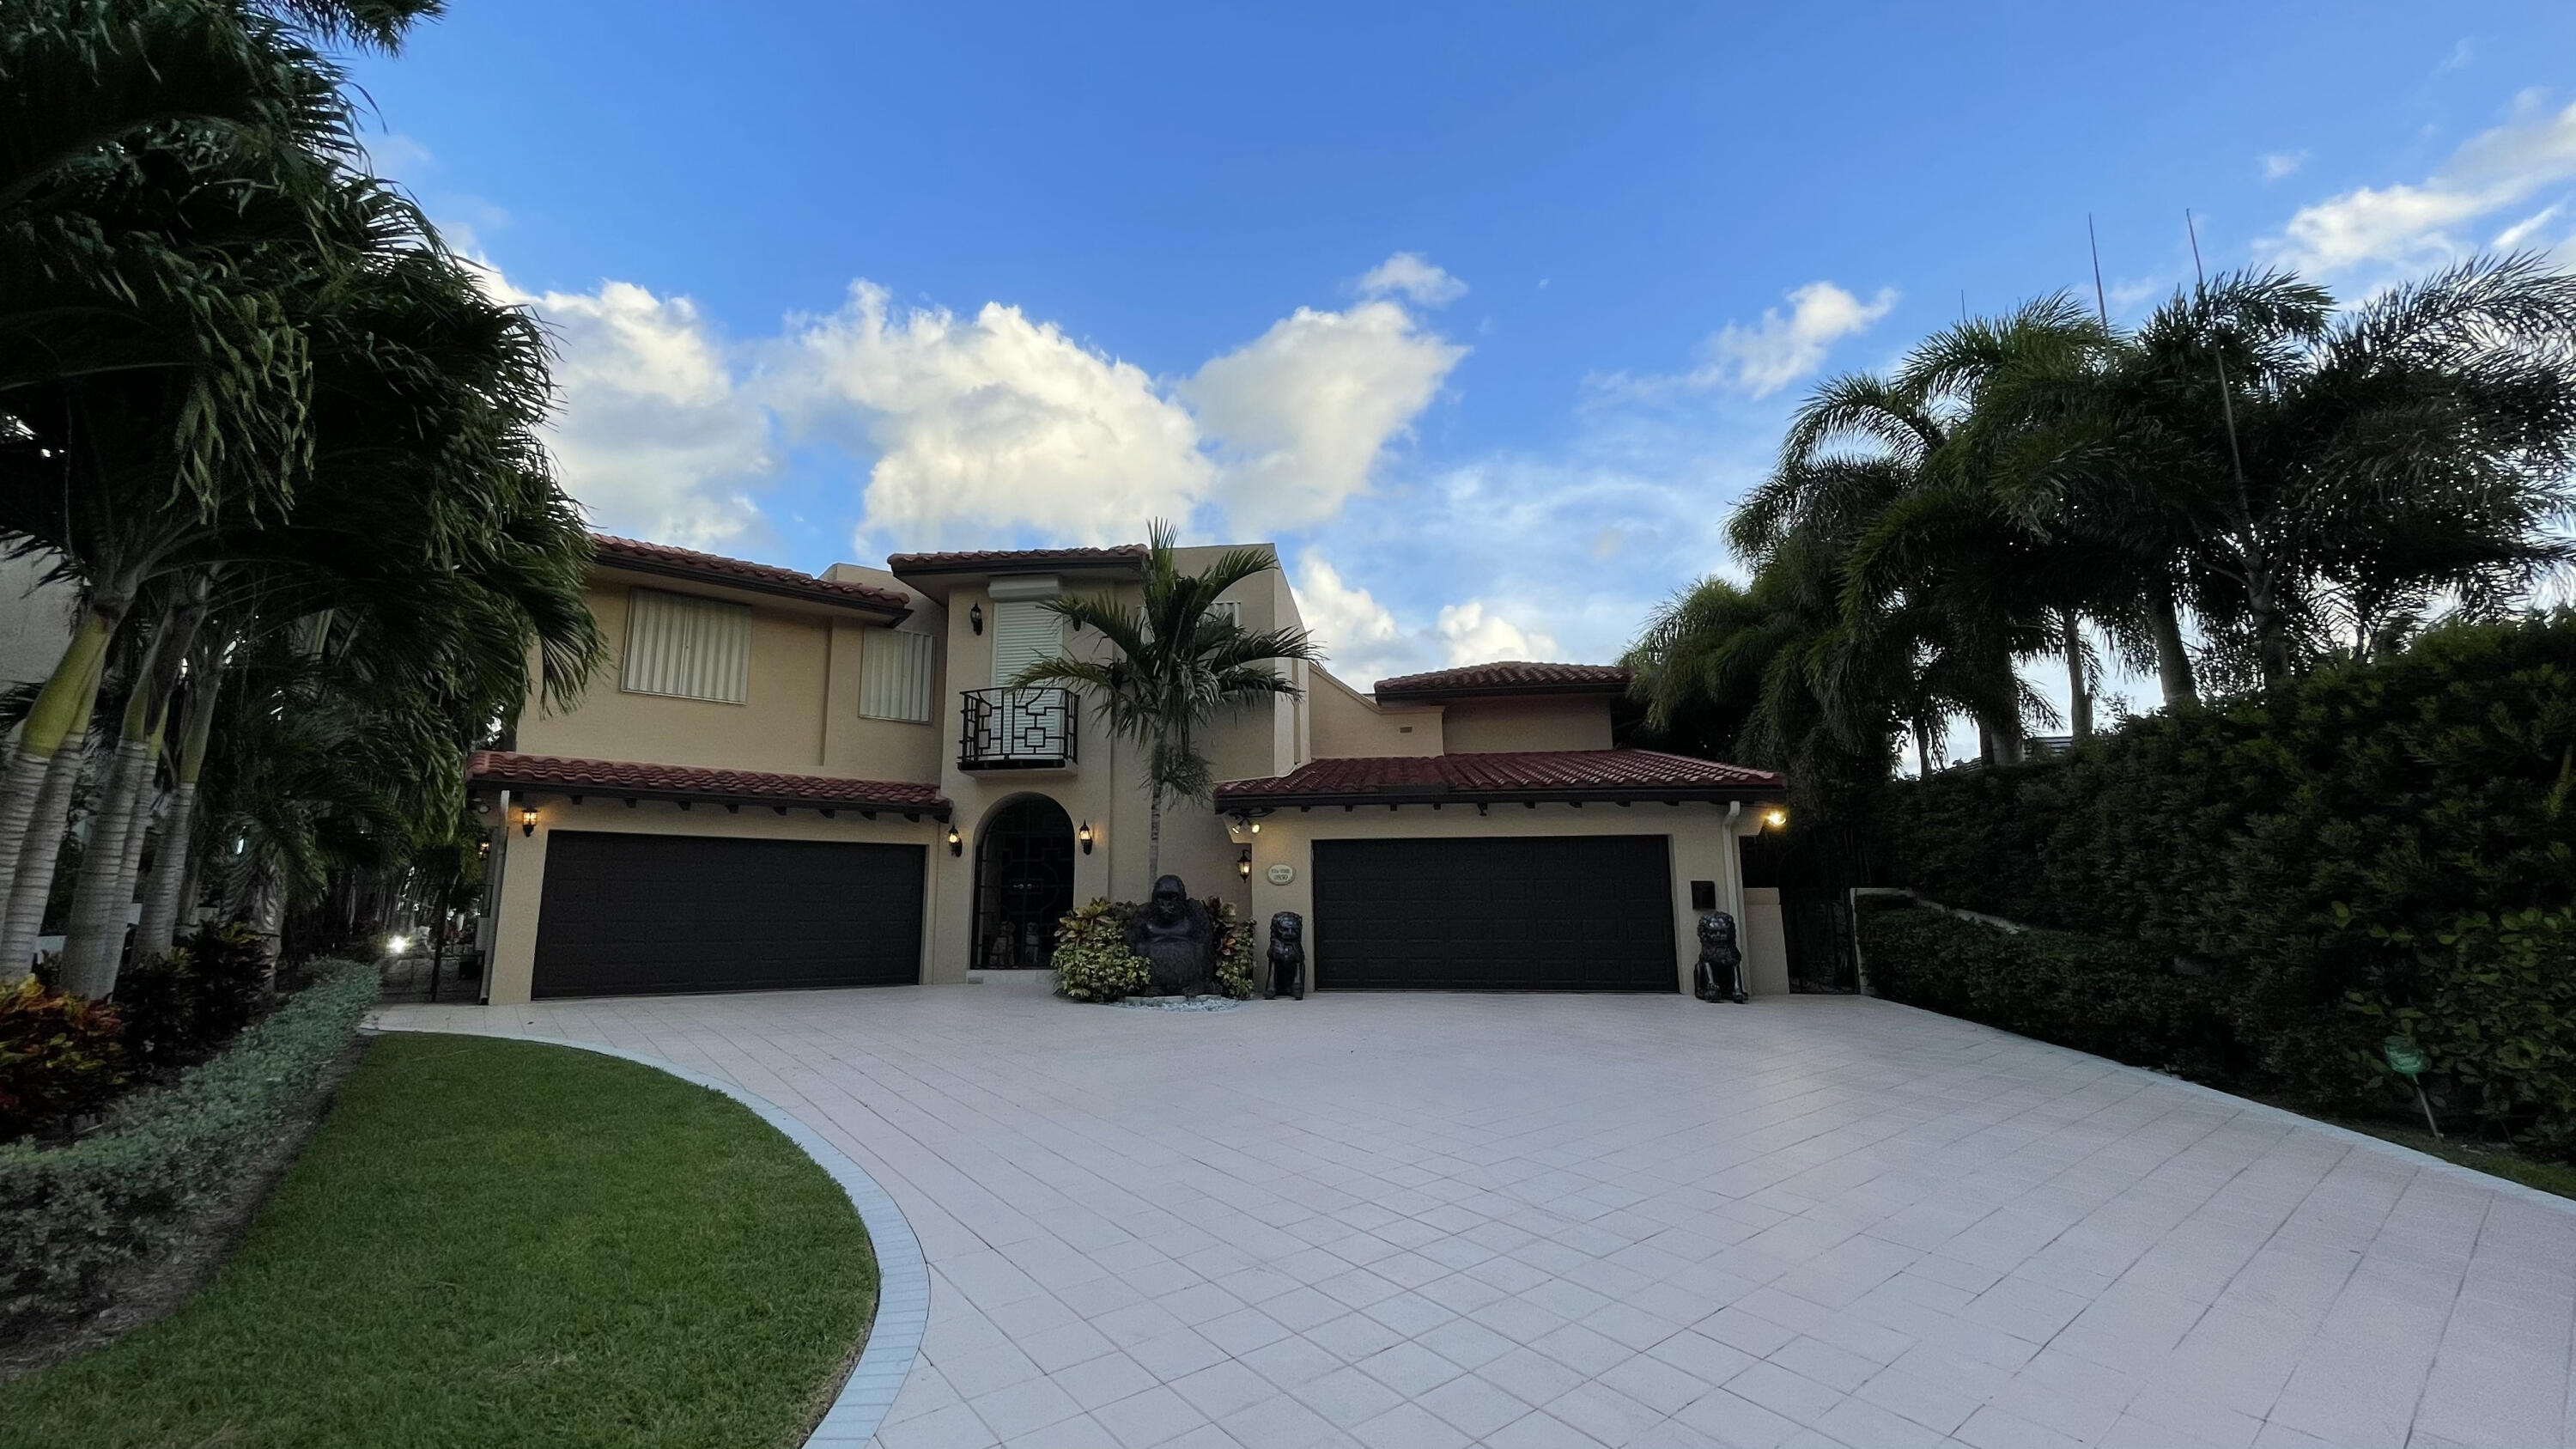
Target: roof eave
(1550, 795)
(1454, 693)
(716, 578)
(936, 810)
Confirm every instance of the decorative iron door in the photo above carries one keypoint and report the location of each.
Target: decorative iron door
(1023, 884)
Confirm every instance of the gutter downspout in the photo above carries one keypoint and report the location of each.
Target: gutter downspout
(1734, 862)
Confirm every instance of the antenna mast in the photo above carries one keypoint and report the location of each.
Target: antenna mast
(2226, 405)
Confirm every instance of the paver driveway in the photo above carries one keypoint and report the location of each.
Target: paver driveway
(1431, 1220)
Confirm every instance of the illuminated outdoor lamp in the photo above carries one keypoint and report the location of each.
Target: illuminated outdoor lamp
(956, 842)
(528, 820)
(1775, 817)
(1084, 835)
(1243, 863)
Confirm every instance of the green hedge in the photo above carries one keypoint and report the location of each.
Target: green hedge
(2295, 841)
(71, 1216)
(2113, 998)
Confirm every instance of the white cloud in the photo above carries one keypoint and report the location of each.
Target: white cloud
(1359, 635)
(1475, 633)
(1760, 359)
(2408, 227)
(983, 424)
(1410, 274)
(1300, 416)
(2278, 164)
(654, 435)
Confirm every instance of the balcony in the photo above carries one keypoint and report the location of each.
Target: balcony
(1017, 729)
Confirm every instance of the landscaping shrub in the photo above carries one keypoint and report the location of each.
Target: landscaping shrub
(72, 1215)
(208, 987)
(59, 1056)
(1092, 962)
(1233, 949)
(2297, 842)
(2113, 998)
(2491, 1003)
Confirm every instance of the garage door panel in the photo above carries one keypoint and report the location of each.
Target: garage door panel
(627, 913)
(1537, 913)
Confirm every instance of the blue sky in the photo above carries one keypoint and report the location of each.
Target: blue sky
(1486, 313)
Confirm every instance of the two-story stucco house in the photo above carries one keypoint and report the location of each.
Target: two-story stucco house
(784, 780)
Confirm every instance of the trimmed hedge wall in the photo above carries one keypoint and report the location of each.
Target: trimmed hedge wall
(2113, 998)
(2300, 843)
(71, 1216)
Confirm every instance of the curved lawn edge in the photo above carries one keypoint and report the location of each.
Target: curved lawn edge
(903, 1277)
(2537, 1197)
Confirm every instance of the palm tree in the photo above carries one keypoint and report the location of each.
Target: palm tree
(1172, 664)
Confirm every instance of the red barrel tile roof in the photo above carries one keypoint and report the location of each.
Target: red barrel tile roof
(1508, 676)
(661, 558)
(1015, 558)
(690, 782)
(1646, 775)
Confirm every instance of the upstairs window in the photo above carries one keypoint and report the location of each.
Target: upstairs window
(1023, 634)
(687, 647)
(894, 675)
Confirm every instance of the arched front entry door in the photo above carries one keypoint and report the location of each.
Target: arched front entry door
(1023, 883)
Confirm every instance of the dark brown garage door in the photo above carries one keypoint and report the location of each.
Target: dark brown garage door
(1545, 913)
(646, 913)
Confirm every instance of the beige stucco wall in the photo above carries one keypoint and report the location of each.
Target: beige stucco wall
(520, 861)
(778, 726)
(1346, 724)
(1492, 726)
(1766, 949)
(1701, 838)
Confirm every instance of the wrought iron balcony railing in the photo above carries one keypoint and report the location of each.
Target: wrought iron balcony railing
(1017, 729)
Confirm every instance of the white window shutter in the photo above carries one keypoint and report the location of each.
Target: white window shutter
(1023, 634)
(894, 675)
(687, 647)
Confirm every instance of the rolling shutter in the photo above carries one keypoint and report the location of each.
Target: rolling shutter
(1023, 634)
(894, 675)
(688, 647)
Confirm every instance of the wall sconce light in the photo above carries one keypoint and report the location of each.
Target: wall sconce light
(528, 820)
(975, 617)
(956, 842)
(1084, 835)
(1243, 863)
(1256, 827)
(1775, 817)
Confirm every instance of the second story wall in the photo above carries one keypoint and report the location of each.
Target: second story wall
(1346, 724)
(1493, 726)
(777, 726)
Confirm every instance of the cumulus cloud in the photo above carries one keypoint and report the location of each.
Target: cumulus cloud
(1300, 416)
(1411, 275)
(655, 434)
(2407, 227)
(976, 428)
(988, 423)
(1771, 354)
(1359, 636)
(1474, 633)
(1766, 356)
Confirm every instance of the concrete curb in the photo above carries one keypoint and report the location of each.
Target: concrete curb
(903, 1277)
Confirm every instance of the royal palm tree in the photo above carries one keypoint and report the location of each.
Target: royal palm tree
(1170, 665)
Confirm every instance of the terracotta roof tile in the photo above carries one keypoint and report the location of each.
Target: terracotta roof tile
(662, 558)
(1509, 676)
(1015, 558)
(689, 782)
(1540, 774)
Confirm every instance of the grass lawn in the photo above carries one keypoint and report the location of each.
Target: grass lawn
(2557, 1177)
(494, 1243)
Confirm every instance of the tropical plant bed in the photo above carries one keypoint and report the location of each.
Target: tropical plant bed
(501, 1243)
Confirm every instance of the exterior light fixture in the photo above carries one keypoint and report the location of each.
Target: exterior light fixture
(1775, 817)
(975, 617)
(1256, 827)
(1243, 863)
(528, 820)
(956, 842)
(396, 945)
(1084, 835)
